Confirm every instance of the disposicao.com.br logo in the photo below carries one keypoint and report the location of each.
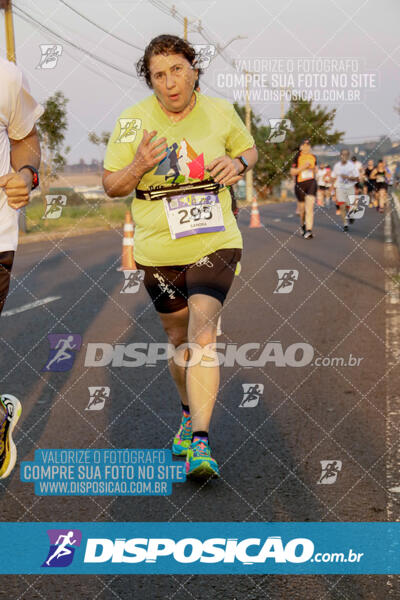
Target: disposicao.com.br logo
(251, 354)
(247, 551)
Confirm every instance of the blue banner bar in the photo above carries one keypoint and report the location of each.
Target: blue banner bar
(200, 548)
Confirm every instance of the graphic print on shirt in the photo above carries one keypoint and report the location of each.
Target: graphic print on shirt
(181, 164)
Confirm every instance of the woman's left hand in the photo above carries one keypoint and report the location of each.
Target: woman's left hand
(225, 170)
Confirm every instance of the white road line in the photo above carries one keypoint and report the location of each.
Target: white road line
(290, 216)
(24, 307)
(276, 220)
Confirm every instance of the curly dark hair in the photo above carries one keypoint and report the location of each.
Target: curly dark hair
(166, 44)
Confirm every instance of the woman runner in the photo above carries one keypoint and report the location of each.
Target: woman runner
(180, 149)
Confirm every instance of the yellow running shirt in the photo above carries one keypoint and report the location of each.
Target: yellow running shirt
(212, 129)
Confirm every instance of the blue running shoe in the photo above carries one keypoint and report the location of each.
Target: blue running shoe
(183, 438)
(199, 463)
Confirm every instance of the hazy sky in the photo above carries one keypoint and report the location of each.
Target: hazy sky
(362, 30)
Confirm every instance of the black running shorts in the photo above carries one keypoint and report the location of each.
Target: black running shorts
(170, 287)
(6, 262)
(305, 188)
(370, 185)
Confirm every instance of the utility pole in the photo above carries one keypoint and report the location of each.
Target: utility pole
(9, 26)
(249, 174)
(185, 28)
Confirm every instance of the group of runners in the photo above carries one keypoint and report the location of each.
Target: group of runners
(342, 185)
(183, 153)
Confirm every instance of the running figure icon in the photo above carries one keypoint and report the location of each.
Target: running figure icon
(62, 549)
(132, 281)
(63, 348)
(329, 471)
(287, 279)
(63, 345)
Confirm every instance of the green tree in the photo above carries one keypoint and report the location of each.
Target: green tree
(99, 140)
(275, 159)
(52, 127)
(310, 122)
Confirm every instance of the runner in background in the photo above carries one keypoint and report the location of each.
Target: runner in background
(304, 168)
(369, 183)
(380, 176)
(389, 178)
(322, 183)
(332, 191)
(328, 186)
(345, 176)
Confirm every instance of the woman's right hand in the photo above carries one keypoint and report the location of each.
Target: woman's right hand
(149, 153)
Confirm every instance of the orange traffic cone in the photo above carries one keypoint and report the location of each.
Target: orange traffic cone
(128, 262)
(255, 215)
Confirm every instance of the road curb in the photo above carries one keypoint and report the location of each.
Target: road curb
(395, 212)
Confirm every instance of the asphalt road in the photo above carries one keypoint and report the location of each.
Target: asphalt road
(269, 454)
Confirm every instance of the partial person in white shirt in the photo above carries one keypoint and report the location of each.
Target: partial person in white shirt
(323, 193)
(19, 164)
(345, 176)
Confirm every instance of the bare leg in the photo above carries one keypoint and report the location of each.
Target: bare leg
(301, 211)
(309, 212)
(343, 212)
(176, 327)
(382, 199)
(202, 380)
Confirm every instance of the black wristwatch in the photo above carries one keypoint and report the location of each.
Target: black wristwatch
(35, 173)
(244, 163)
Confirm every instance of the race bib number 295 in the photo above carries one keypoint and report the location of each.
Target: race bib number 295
(193, 213)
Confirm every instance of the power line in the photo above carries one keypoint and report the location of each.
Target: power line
(66, 41)
(100, 27)
(172, 12)
(29, 19)
(168, 11)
